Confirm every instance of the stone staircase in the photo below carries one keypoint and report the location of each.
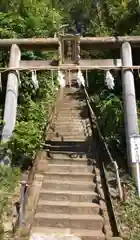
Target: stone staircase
(68, 200)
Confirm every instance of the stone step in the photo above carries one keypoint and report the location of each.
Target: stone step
(72, 123)
(70, 138)
(71, 161)
(62, 146)
(67, 132)
(73, 113)
(69, 168)
(66, 176)
(69, 125)
(68, 128)
(70, 155)
(78, 123)
(69, 143)
(69, 135)
(67, 207)
(69, 106)
(88, 221)
(84, 234)
(69, 113)
(68, 185)
(70, 103)
(67, 119)
(75, 196)
(66, 139)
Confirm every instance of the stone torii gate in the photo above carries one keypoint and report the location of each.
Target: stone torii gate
(72, 45)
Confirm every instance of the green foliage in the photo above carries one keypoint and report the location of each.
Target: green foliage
(30, 18)
(128, 212)
(109, 111)
(110, 115)
(26, 18)
(9, 178)
(32, 118)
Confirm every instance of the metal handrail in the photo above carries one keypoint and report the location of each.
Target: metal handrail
(106, 147)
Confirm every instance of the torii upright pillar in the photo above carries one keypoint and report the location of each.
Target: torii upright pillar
(129, 99)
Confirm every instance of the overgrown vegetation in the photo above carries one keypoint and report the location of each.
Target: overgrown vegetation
(128, 212)
(9, 178)
(41, 18)
(32, 118)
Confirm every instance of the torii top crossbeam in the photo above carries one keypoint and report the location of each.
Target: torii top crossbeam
(52, 43)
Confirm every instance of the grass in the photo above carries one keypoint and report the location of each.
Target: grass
(129, 212)
(9, 178)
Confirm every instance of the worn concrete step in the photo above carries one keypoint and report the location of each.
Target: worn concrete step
(68, 100)
(71, 102)
(75, 196)
(66, 138)
(66, 176)
(66, 119)
(114, 238)
(73, 141)
(69, 147)
(67, 207)
(59, 155)
(68, 123)
(69, 128)
(84, 234)
(71, 138)
(73, 161)
(68, 185)
(69, 168)
(69, 106)
(70, 112)
(70, 155)
(88, 221)
(71, 144)
(73, 113)
(73, 122)
(67, 132)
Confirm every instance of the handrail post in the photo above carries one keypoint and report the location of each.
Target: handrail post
(129, 99)
(22, 202)
(10, 108)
